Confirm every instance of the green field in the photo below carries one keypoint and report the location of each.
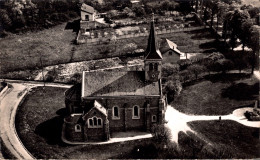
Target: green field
(218, 94)
(233, 139)
(56, 46)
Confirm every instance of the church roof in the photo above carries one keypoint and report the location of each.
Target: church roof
(100, 108)
(152, 52)
(87, 8)
(120, 83)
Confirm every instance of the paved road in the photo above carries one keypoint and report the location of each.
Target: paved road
(8, 107)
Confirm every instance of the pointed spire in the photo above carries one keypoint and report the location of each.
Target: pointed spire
(151, 51)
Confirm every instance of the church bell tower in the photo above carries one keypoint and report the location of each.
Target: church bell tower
(152, 58)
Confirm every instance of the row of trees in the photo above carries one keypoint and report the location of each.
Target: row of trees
(188, 70)
(18, 16)
(237, 23)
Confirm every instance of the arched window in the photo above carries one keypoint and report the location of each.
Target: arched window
(90, 122)
(115, 113)
(156, 66)
(154, 118)
(150, 67)
(77, 128)
(136, 112)
(94, 122)
(99, 121)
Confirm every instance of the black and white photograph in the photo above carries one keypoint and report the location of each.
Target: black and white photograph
(129, 79)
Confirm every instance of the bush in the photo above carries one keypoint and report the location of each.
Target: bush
(172, 88)
(169, 69)
(161, 133)
(196, 69)
(184, 63)
(184, 76)
(222, 65)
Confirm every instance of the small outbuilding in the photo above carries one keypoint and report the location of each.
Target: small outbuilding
(169, 51)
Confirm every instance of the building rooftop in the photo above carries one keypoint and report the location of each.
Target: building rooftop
(122, 83)
(87, 8)
(172, 46)
(151, 51)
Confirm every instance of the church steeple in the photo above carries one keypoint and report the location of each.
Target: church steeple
(152, 58)
(151, 51)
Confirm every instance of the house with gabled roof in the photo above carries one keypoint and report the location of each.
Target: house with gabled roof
(116, 101)
(170, 52)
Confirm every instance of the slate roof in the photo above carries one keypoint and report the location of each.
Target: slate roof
(87, 8)
(100, 108)
(74, 118)
(121, 83)
(151, 51)
(172, 46)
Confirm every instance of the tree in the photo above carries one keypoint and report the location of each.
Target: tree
(222, 65)
(253, 43)
(139, 11)
(240, 63)
(5, 20)
(246, 29)
(196, 69)
(172, 88)
(169, 69)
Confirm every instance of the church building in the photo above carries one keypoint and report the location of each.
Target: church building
(116, 101)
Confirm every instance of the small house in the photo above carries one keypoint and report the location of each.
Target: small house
(169, 51)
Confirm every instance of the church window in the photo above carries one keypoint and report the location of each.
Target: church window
(150, 67)
(99, 122)
(136, 112)
(156, 66)
(90, 121)
(115, 113)
(170, 52)
(77, 128)
(154, 118)
(94, 122)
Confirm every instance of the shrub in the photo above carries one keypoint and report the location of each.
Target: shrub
(184, 63)
(184, 76)
(172, 88)
(161, 133)
(196, 69)
(169, 69)
(222, 65)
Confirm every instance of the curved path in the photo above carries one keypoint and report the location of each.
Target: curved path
(177, 121)
(8, 107)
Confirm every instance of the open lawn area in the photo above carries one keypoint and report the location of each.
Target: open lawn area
(56, 46)
(234, 140)
(218, 94)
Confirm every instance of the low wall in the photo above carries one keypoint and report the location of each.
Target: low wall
(86, 39)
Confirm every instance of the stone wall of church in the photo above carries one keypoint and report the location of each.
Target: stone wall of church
(71, 134)
(126, 121)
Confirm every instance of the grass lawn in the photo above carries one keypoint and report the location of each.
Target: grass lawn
(39, 122)
(218, 94)
(55, 46)
(238, 141)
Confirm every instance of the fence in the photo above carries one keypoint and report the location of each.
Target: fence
(98, 38)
